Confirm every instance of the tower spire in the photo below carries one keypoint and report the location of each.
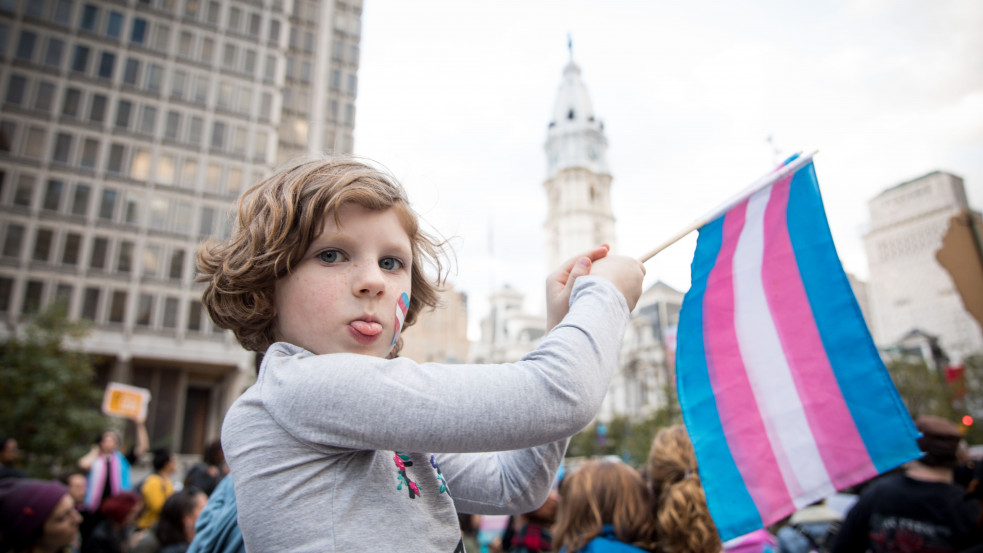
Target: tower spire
(570, 46)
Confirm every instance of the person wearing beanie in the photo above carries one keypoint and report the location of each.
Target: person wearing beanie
(36, 516)
(919, 508)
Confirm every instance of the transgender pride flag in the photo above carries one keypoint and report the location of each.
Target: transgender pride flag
(783, 393)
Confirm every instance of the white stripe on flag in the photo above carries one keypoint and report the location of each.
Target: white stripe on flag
(768, 371)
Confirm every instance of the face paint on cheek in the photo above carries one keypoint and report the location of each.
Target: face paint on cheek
(401, 306)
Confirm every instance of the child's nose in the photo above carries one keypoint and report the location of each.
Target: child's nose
(369, 280)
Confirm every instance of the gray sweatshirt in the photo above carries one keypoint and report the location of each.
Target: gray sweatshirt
(326, 449)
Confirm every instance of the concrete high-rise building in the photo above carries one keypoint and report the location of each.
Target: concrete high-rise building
(908, 289)
(127, 130)
(578, 183)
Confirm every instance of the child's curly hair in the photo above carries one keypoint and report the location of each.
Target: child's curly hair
(276, 222)
(679, 506)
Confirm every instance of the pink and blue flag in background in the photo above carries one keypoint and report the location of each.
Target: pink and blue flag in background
(783, 392)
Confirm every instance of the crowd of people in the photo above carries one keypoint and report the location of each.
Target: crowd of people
(99, 508)
(342, 445)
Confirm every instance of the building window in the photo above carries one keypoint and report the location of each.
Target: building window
(148, 119)
(32, 296)
(100, 247)
(123, 108)
(182, 217)
(117, 307)
(189, 173)
(131, 214)
(229, 55)
(158, 213)
(25, 45)
(154, 74)
(70, 253)
(194, 314)
(138, 33)
(24, 192)
(97, 110)
(274, 30)
(218, 135)
(114, 24)
(63, 12)
(35, 142)
(140, 164)
(107, 206)
(52, 195)
(15, 90)
(70, 106)
(42, 245)
(6, 288)
(178, 80)
(151, 260)
(177, 264)
(63, 148)
(207, 51)
(90, 153)
(207, 221)
(211, 13)
(80, 59)
(44, 97)
(186, 44)
(12, 242)
(173, 125)
(165, 169)
(195, 130)
(80, 202)
(54, 50)
(235, 19)
(63, 295)
(269, 69)
(162, 38)
(170, 313)
(7, 131)
(115, 162)
(131, 71)
(107, 63)
(254, 24)
(124, 257)
(90, 18)
(90, 303)
(145, 310)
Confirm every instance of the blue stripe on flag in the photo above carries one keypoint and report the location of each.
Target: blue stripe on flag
(732, 508)
(880, 415)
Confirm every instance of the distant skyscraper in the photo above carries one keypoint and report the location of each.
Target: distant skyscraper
(908, 289)
(578, 184)
(127, 130)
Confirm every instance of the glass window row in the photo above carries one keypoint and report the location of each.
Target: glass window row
(107, 304)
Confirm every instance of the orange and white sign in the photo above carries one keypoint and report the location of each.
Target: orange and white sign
(125, 401)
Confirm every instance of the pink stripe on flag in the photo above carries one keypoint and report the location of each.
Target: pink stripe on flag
(739, 415)
(840, 445)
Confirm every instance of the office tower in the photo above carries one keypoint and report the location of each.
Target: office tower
(127, 130)
(908, 289)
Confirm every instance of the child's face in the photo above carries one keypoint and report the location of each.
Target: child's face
(342, 296)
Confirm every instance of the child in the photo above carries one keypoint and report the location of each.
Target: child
(325, 265)
(604, 508)
(679, 504)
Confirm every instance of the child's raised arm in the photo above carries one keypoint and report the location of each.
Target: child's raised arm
(560, 283)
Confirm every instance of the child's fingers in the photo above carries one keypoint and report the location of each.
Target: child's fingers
(562, 274)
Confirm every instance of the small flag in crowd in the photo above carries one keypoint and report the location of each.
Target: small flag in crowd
(783, 392)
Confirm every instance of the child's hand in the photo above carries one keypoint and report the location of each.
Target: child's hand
(560, 284)
(626, 273)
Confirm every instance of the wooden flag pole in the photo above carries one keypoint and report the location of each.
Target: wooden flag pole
(764, 181)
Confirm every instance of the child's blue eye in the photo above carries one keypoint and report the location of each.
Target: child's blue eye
(390, 264)
(330, 256)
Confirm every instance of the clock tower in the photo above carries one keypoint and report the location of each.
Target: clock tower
(578, 182)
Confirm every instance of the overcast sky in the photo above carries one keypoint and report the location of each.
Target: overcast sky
(455, 96)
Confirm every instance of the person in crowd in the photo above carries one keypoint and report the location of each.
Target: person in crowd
(531, 532)
(469, 531)
(9, 454)
(157, 487)
(76, 483)
(918, 507)
(108, 469)
(679, 507)
(115, 533)
(210, 471)
(36, 516)
(604, 508)
(325, 265)
(217, 530)
(175, 528)
(809, 529)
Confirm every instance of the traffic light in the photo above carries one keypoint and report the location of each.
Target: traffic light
(967, 420)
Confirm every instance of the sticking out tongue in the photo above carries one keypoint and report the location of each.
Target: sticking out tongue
(367, 328)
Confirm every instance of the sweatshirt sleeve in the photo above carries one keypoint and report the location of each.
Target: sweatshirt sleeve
(358, 402)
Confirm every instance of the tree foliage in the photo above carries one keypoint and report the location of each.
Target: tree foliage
(926, 391)
(50, 400)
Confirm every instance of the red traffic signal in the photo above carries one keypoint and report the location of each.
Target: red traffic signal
(967, 420)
